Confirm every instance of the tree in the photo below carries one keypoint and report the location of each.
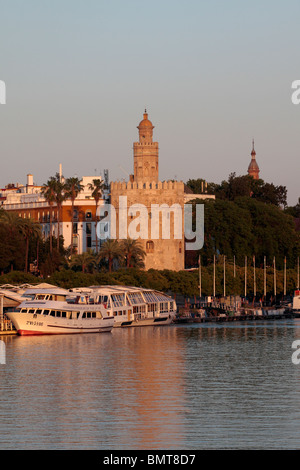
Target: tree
(294, 211)
(85, 260)
(59, 197)
(109, 251)
(48, 191)
(72, 188)
(133, 252)
(29, 229)
(11, 241)
(97, 189)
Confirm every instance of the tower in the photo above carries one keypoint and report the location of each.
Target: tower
(145, 153)
(253, 168)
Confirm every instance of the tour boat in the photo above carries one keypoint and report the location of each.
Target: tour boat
(59, 311)
(133, 306)
(296, 302)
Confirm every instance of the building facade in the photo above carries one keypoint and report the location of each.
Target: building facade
(29, 203)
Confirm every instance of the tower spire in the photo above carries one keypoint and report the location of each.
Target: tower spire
(253, 168)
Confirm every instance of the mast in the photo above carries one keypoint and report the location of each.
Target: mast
(200, 283)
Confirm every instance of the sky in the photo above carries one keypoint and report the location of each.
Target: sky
(213, 75)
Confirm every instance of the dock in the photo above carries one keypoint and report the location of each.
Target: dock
(7, 328)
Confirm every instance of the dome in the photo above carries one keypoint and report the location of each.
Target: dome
(253, 165)
(145, 123)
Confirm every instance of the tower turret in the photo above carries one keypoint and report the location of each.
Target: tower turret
(145, 153)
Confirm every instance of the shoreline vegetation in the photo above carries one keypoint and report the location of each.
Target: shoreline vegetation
(184, 283)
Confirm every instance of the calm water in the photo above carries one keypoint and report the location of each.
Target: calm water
(179, 387)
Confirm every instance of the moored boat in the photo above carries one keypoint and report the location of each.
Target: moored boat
(296, 302)
(133, 306)
(59, 311)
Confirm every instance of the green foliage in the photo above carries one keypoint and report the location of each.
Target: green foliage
(247, 227)
(243, 186)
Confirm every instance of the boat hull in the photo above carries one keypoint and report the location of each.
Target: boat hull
(28, 324)
(158, 321)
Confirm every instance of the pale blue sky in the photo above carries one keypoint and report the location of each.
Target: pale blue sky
(212, 75)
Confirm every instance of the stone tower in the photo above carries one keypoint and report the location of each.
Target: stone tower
(253, 168)
(145, 153)
(144, 188)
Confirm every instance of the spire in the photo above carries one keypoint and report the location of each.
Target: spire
(253, 168)
(253, 153)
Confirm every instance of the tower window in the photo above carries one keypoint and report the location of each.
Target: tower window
(150, 247)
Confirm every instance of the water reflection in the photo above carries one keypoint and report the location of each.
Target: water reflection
(179, 387)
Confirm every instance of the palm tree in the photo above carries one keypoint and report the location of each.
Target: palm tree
(48, 191)
(110, 250)
(96, 187)
(84, 260)
(29, 229)
(59, 199)
(72, 188)
(133, 252)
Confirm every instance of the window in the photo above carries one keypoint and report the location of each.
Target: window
(150, 247)
(88, 215)
(88, 235)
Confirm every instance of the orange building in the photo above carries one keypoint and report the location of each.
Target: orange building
(28, 202)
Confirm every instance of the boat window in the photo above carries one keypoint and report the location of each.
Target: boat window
(52, 313)
(135, 298)
(58, 314)
(115, 314)
(118, 300)
(40, 297)
(93, 314)
(64, 314)
(46, 312)
(39, 311)
(87, 315)
(31, 310)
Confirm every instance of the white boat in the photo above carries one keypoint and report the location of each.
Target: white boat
(59, 311)
(296, 302)
(133, 306)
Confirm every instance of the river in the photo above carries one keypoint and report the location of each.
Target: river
(191, 387)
